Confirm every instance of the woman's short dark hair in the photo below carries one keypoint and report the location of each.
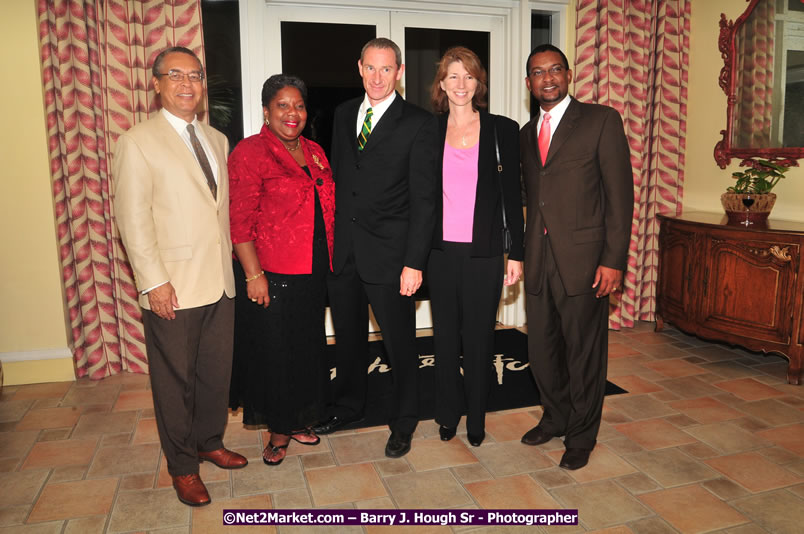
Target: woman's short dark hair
(277, 82)
(472, 64)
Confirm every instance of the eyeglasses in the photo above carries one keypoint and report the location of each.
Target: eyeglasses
(555, 70)
(179, 76)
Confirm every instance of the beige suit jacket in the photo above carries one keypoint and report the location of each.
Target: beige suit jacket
(171, 226)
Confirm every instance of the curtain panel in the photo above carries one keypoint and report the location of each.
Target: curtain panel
(633, 55)
(96, 57)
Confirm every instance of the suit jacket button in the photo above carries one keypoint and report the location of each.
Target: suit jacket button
(354, 219)
(357, 165)
(541, 204)
(319, 182)
(543, 173)
(354, 193)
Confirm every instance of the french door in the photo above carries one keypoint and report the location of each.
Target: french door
(321, 44)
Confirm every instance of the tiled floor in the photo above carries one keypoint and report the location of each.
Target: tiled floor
(708, 439)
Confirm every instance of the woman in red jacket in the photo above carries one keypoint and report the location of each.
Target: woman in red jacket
(282, 206)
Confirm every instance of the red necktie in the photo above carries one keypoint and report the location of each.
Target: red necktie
(544, 137)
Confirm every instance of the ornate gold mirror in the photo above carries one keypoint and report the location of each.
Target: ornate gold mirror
(763, 78)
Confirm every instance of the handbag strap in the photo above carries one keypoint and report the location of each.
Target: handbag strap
(499, 175)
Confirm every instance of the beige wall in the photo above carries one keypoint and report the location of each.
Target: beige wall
(32, 314)
(704, 181)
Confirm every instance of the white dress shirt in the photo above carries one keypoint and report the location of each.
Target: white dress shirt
(376, 112)
(555, 116)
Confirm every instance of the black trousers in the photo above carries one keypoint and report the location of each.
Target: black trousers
(190, 359)
(568, 350)
(349, 297)
(464, 295)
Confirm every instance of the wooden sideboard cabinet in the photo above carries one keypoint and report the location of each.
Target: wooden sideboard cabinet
(736, 284)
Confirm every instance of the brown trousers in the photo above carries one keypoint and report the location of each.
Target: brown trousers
(190, 359)
(568, 351)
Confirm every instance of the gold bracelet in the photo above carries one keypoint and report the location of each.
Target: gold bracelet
(252, 278)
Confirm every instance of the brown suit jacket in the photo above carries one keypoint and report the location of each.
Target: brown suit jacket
(172, 227)
(583, 195)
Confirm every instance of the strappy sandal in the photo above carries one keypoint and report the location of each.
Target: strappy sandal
(307, 433)
(274, 450)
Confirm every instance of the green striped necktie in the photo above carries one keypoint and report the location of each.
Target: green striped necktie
(365, 131)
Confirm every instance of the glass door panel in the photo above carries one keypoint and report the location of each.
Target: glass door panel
(330, 80)
(424, 48)
(424, 37)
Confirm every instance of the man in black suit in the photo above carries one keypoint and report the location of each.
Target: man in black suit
(577, 170)
(384, 165)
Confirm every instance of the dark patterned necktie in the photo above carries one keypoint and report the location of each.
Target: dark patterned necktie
(203, 161)
(365, 131)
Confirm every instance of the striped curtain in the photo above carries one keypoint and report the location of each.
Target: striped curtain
(633, 55)
(96, 57)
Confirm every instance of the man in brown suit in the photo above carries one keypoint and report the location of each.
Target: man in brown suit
(172, 208)
(580, 204)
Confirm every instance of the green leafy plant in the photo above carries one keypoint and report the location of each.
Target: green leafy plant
(221, 101)
(758, 179)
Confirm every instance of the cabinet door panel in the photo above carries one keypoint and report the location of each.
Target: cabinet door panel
(675, 273)
(748, 288)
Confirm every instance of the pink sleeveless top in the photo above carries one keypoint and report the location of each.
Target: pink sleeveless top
(460, 187)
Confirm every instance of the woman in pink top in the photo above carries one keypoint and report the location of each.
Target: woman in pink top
(467, 266)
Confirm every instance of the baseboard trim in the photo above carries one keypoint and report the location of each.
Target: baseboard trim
(34, 355)
(37, 366)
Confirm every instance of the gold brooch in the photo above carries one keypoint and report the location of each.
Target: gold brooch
(317, 162)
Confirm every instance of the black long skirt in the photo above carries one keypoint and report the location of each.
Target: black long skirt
(278, 374)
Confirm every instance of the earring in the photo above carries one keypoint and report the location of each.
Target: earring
(267, 122)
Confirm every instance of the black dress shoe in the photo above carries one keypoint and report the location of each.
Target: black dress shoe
(398, 445)
(335, 423)
(475, 441)
(536, 436)
(446, 432)
(575, 458)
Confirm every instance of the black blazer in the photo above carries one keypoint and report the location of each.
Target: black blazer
(583, 194)
(487, 228)
(385, 195)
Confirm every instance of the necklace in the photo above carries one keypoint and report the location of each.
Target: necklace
(466, 128)
(295, 148)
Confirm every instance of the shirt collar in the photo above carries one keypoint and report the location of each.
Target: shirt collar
(557, 112)
(179, 124)
(377, 110)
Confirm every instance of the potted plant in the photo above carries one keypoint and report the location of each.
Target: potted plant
(750, 200)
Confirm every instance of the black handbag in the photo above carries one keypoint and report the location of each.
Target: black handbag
(506, 234)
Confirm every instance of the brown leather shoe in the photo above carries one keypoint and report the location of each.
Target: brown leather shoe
(224, 458)
(191, 490)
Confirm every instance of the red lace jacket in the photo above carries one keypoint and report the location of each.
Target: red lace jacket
(272, 201)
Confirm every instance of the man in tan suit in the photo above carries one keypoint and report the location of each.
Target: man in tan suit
(172, 208)
(577, 170)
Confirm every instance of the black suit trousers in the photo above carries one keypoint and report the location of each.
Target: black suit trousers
(568, 351)
(190, 359)
(349, 297)
(464, 295)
